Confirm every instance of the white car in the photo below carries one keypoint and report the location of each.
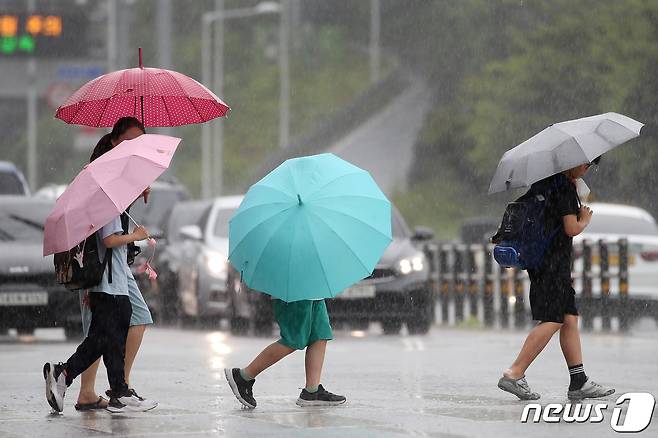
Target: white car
(50, 191)
(612, 222)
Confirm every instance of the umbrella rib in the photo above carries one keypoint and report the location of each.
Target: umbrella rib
(333, 181)
(255, 206)
(260, 256)
(254, 228)
(292, 239)
(164, 102)
(277, 189)
(82, 99)
(351, 217)
(195, 109)
(102, 113)
(350, 196)
(340, 240)
(317, 253)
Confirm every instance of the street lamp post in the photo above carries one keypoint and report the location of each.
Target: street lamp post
(208, 18)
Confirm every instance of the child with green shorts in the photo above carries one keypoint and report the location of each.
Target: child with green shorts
(303, 325)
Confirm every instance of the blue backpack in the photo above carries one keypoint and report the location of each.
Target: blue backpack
(522, 239)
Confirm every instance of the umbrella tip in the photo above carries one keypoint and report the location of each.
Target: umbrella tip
(140, 58)
(299, 199)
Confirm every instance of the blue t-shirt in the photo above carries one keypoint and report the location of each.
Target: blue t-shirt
(120, 269)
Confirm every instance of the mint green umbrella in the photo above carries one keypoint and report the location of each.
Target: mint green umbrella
(311, 228)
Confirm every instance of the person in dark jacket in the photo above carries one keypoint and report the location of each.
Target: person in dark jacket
(552, 297)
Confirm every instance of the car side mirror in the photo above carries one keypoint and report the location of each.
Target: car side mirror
(423, 234)
(191, 232)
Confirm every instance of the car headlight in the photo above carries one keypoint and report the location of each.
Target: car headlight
(412, 264)
(216, 263)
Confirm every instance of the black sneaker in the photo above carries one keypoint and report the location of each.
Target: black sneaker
(131, 391)
(241, 387)
(55, 379)
(321, 397)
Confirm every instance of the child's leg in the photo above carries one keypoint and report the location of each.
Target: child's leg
(133, 342)
(117, 317)
(268, 357)
(314, 361)
(88, 384)
(570, 341)
(534, 344)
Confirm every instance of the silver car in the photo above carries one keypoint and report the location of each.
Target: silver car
(200, 263)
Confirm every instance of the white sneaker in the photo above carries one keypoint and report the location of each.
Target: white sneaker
(55, 385)
(590, 389)
(130, 403)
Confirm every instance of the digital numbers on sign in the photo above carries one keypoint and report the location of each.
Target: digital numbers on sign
(47, 35)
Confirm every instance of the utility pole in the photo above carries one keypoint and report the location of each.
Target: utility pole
(111, 35)
(284, 73)
(31, 96)
(211, 154)
(217, 137)
(164, 31)
(375, 27)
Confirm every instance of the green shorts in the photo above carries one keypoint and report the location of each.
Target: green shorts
(301, 323)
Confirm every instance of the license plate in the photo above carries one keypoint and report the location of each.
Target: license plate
(361, 291)
(23, 298)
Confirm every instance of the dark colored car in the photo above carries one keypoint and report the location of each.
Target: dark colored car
(155, 215)
(29, 296)
(400, 289)
(170, 257)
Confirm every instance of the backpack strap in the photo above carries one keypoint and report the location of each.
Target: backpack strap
(108, 260)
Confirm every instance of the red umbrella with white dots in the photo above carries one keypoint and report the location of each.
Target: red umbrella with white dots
(157, 97)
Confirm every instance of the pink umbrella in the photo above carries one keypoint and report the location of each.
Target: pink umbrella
(105, 188)
(155, 96)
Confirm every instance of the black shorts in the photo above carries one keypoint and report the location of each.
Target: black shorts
(551, 296)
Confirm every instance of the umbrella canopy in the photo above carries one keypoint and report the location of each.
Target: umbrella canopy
(309, 229)
(105, 188)
(560, 147)
(157, 97)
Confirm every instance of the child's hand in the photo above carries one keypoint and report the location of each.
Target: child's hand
(585, 214)
(146, 194)
(140, 233)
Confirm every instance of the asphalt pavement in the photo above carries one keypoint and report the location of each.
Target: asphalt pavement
(439, 385)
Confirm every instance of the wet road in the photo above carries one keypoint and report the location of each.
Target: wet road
(440, 385)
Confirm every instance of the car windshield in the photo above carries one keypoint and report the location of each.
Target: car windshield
(610, 224)
(185, 214)
(18, 228)
(156, 212)
(10, 184)
(399, 227)
(221, 222)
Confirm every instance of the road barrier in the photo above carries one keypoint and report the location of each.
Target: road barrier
(466, 275)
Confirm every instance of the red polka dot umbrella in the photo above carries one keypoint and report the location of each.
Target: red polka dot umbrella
(157, 97)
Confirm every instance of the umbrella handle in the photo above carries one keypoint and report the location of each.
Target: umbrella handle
(135, 222)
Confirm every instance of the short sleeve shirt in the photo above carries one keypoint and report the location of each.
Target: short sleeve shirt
(120, 269)
(562, 201)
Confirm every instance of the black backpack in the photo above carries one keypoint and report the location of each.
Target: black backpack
(523, 237)
(80, 267)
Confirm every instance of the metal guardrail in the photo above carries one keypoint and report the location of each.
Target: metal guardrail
(467, 276)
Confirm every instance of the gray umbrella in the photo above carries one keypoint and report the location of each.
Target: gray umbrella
(562, 146)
